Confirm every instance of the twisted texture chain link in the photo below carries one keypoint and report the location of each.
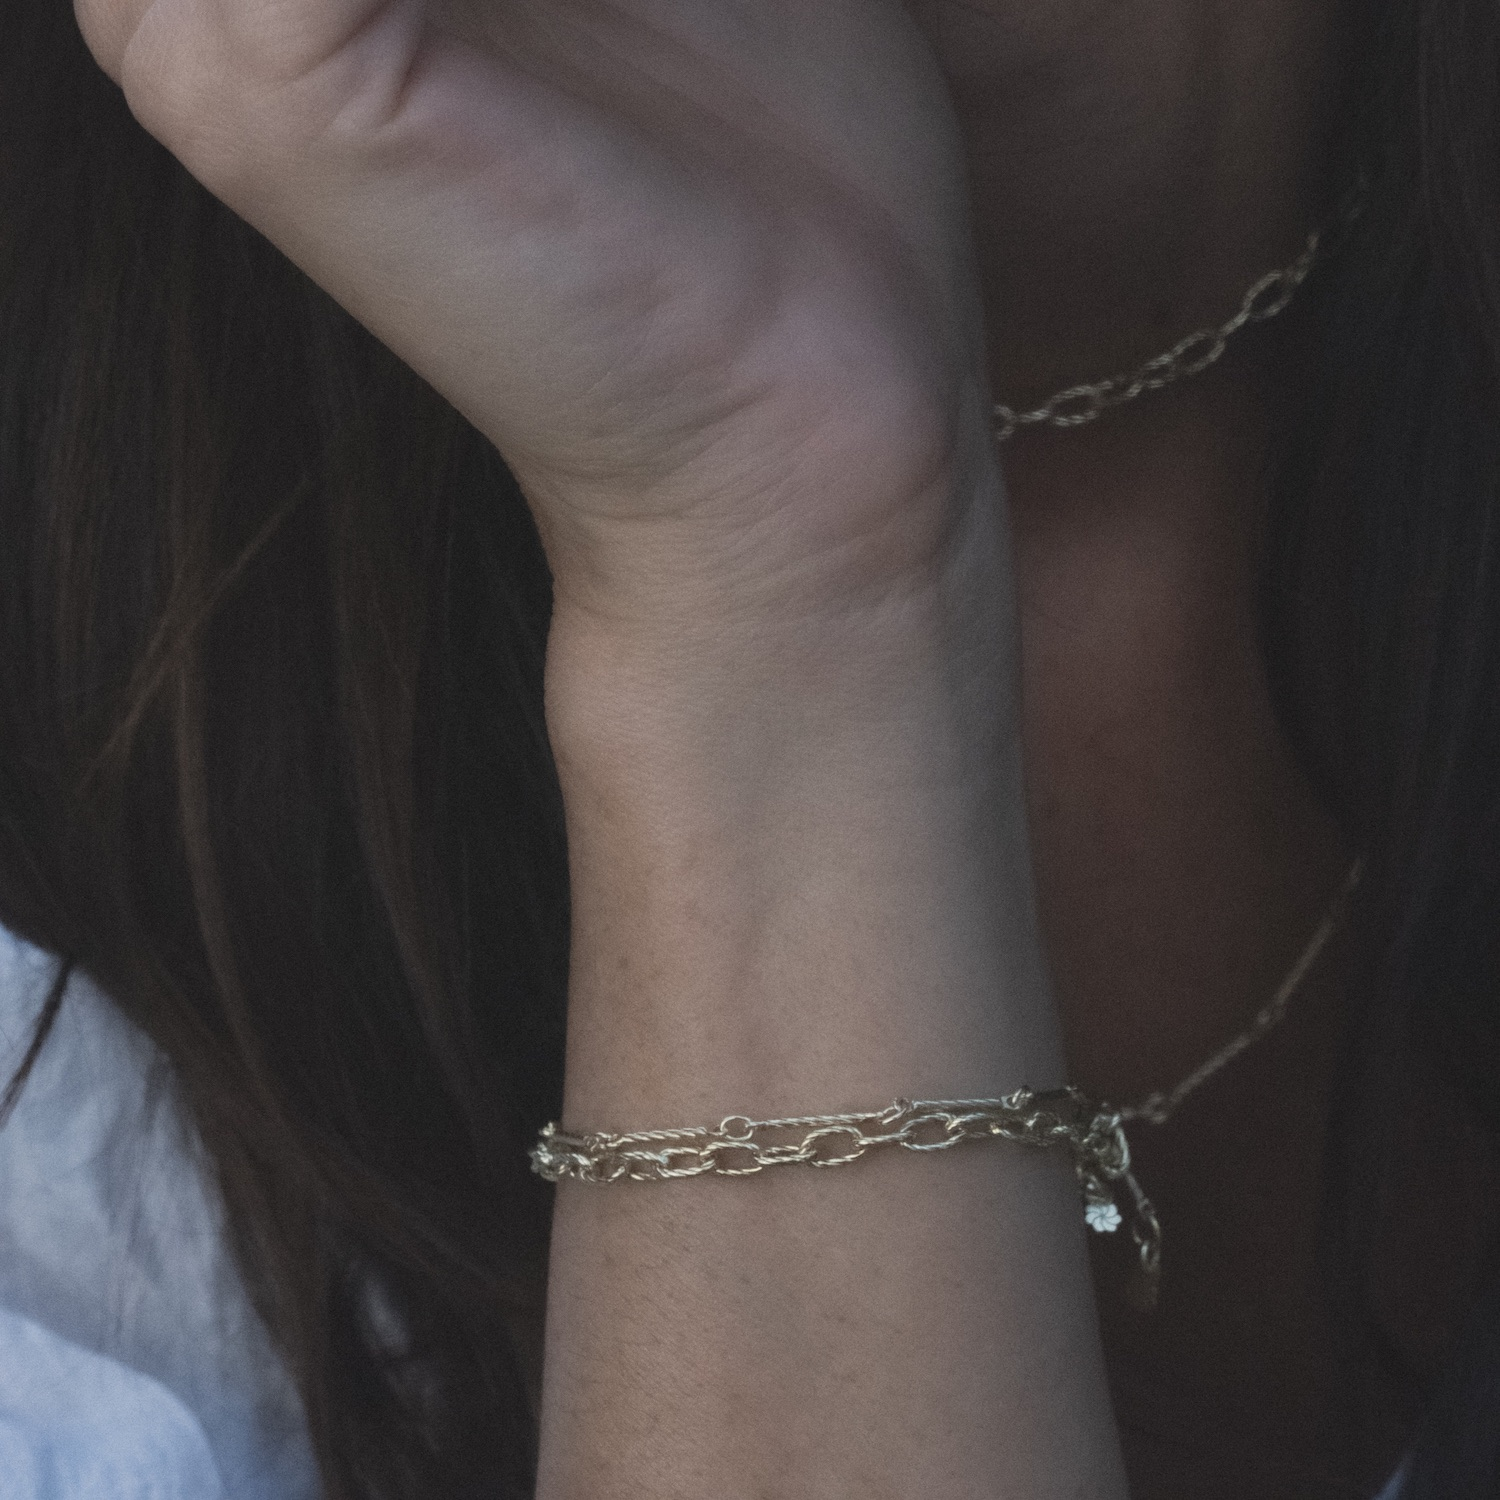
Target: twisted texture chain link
(1189, 356)
(741, 1147)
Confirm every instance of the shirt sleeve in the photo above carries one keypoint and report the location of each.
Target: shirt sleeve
(75, 1425)
(132, 1363)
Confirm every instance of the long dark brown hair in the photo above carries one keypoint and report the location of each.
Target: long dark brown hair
(273, 768)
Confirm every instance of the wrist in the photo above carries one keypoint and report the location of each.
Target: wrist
(854, 526)
(711, 648)
(799, 857)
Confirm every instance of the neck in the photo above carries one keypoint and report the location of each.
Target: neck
(1135, 165)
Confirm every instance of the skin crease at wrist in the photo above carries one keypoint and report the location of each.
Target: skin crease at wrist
(1134, 166)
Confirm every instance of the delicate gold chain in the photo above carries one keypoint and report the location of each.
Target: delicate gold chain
(740, 1147)
(1079, 404)
(1157, 1108)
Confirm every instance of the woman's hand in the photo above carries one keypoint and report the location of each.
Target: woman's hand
(699, 268)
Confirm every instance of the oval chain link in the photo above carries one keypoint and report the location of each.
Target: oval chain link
(737, 1147)
(741, 1147)
(1192, 355)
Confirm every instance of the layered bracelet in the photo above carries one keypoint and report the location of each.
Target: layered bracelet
(741, 1147)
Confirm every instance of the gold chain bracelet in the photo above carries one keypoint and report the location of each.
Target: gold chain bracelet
(740, 1147)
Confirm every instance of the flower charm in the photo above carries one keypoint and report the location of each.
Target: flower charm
(1102, 1216)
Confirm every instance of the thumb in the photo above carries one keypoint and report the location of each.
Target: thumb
(417, 177)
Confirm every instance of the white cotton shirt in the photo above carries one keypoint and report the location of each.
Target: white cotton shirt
(132, 1366)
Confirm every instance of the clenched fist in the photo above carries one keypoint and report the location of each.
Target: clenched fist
(700, 269)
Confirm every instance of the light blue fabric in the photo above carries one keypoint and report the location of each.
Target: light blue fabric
(1392, 1491)
(74, 1423)
(132, 1366)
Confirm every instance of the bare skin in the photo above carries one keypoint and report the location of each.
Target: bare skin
(1179, 875)
(1136, 166)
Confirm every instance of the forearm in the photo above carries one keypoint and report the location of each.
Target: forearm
(800, 887)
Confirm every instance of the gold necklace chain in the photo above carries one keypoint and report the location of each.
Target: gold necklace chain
(1158, 1107)
(1143, 1284)
(1079, 404)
